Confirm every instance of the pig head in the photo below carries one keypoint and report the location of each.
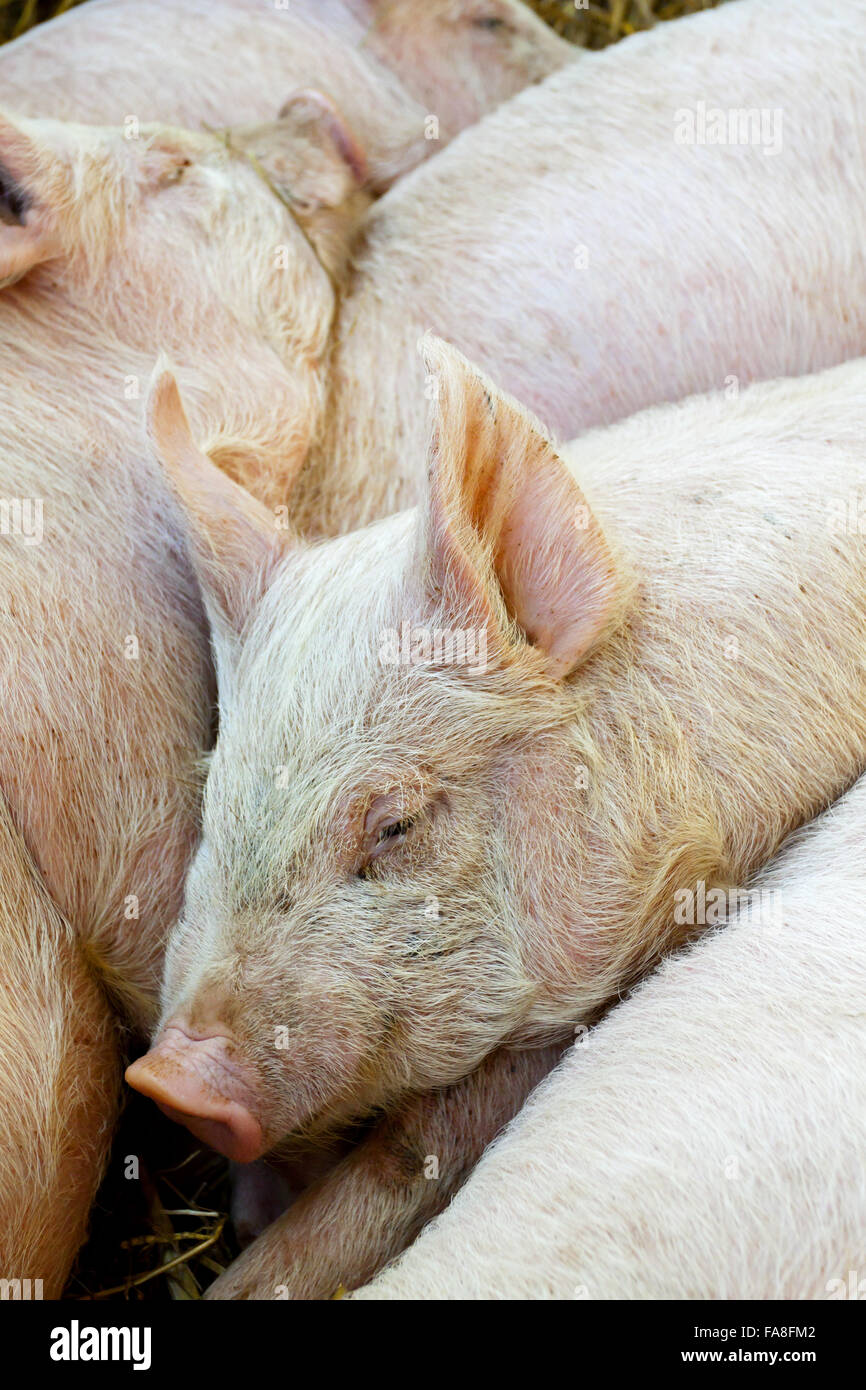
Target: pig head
(354, 882)
(461, 57)
(387, 63)
(185, 242)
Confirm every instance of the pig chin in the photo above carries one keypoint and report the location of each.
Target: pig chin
(199, 1082)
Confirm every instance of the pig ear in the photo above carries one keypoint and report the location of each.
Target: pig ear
(309, 154)
(341, 166)
(28, 234)
(233, 539)
(315, 163)
(507, 527)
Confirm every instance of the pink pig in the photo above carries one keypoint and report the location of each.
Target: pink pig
(415, 865)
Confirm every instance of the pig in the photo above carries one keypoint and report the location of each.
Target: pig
(391, 65)
(108, 248)
(461, 58)
(293, 411)
(92, 267)
(705, 1141)
(59, 1080)
(589, 250)
(419, 860)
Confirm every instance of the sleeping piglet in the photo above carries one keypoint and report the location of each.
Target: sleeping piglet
(469, 756)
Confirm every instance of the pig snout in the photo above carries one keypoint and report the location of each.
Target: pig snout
(199, 1082)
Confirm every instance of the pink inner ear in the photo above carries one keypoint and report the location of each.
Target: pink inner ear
(498, 489)
(556, 571)
(234, 538)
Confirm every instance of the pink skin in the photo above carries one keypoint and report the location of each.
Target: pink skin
(197, 1082)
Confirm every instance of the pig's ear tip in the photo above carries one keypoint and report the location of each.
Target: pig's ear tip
(167, 426)
(434, 351)
(164, 404)
(163, 371)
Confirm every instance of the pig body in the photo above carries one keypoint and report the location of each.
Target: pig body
(704, 1140)
(594, 250)
(411, 861)
(108, 681)
(227, 62)
(105, 669)
(102, 739)
(59, 1075)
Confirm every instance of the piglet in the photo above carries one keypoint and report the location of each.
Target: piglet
(108, 247)
(471, 756)
(682, 212)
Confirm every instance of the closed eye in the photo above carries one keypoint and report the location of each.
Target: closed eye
(397, 827)
(388, 838)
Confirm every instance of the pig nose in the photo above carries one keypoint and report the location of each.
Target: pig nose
(199, 1082)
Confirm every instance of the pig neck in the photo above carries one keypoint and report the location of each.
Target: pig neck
(604, 821)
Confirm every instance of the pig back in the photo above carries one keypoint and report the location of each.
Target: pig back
(745, 521)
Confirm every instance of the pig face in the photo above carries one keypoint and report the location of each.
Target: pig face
(351, 928)
(462, 57)
(147, 208)
(173, 240)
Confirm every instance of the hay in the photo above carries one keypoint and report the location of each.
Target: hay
(595, 25)
(18, 15)
(160, 1229)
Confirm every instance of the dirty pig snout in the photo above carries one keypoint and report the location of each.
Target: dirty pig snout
(200, 1082)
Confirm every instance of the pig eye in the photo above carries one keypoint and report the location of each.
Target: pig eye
(489, 22)
(391, 834)
(397, 827)
(387, 837)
